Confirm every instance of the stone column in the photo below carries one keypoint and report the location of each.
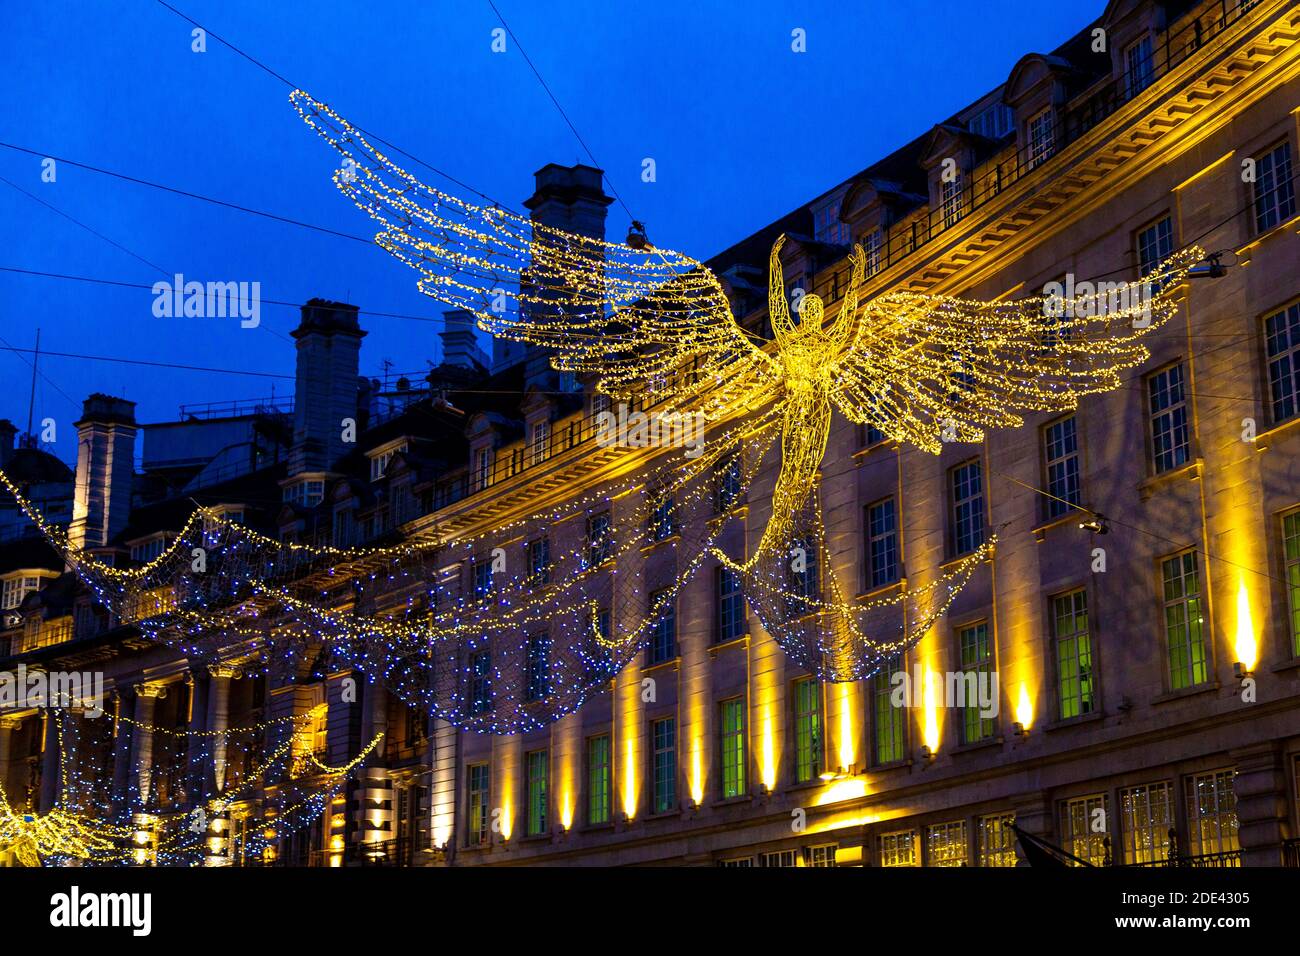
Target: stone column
(122, 752)
(146, 695)
(7, 727)
(49, 760)
(1261, 788)
(197, 745)
(218, 721)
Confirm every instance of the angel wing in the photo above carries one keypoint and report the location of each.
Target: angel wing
(928, 369)
(651, 323)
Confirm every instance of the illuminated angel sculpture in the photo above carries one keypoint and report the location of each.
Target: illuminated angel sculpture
(656, 327)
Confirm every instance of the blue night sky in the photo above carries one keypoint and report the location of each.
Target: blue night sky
(742, 130)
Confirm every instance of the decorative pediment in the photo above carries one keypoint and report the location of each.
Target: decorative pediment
(943, 142)
(876, 199)
(1121, 11)
(1031, 75)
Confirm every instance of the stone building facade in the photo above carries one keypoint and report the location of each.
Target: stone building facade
(1141, 610)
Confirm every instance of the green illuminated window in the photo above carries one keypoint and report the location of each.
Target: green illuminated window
(733, 747)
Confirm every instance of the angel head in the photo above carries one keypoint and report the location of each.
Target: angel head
(811, 330)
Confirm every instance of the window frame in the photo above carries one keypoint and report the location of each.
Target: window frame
(1288, 355)
(1056, 507)
(663, 801)
(733, 748)
(601, 790)
(1082, 697)
(985, 728)
(1290, 555)
(889, 540)
(730, 621)
(882, 690)
(809, 729)
(1282, 208)
(959, 544)
(1156, 456)
(537, 792)
(1185, 601)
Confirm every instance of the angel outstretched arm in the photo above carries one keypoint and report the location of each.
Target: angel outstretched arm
(778, 309)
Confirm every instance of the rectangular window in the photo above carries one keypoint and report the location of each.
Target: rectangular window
(976, 655)
(1274, 188)
(479, 812)
(827, 226)
(600, 543)
(1282, 347)
(663, 521)
(732, 745)
(663, 765)
(873, 248)
(482, 468)
(779, 858)
(537, 683)
(1170, 443)
(1061, 467)
(1212, 815)
(993, 122)
(967, 496)
(482, 577)
(1184, 620)
(663, 639)
(950, 200)
(598, 780)
(16, 589)
(803, 577)
(537, 764)
(1084, 828)
(1155, 244)
(1139, 67)
(1074, 671)
(947, 844)
(1291, 556)
(539, 561)
(740, 862)
(807, 729)
(379, 463)
(997, 841)
(539, 445)
(882, 543)
(821, 855)
(899, 849)
(480, 692)
(889, 723)
(343, 528)
(1146, 817)
(731, 605)
(1042, 138)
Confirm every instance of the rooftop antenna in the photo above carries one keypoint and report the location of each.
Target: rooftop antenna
(31, 401)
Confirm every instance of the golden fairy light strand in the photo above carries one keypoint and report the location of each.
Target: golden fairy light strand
(923, 369)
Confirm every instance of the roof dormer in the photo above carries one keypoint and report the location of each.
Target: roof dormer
(1131, 31)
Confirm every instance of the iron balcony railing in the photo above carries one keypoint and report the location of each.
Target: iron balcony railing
(1084, 112)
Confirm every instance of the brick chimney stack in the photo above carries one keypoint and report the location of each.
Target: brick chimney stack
(329, 346)
(459, 342)
(105, 481)
(571, 198)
